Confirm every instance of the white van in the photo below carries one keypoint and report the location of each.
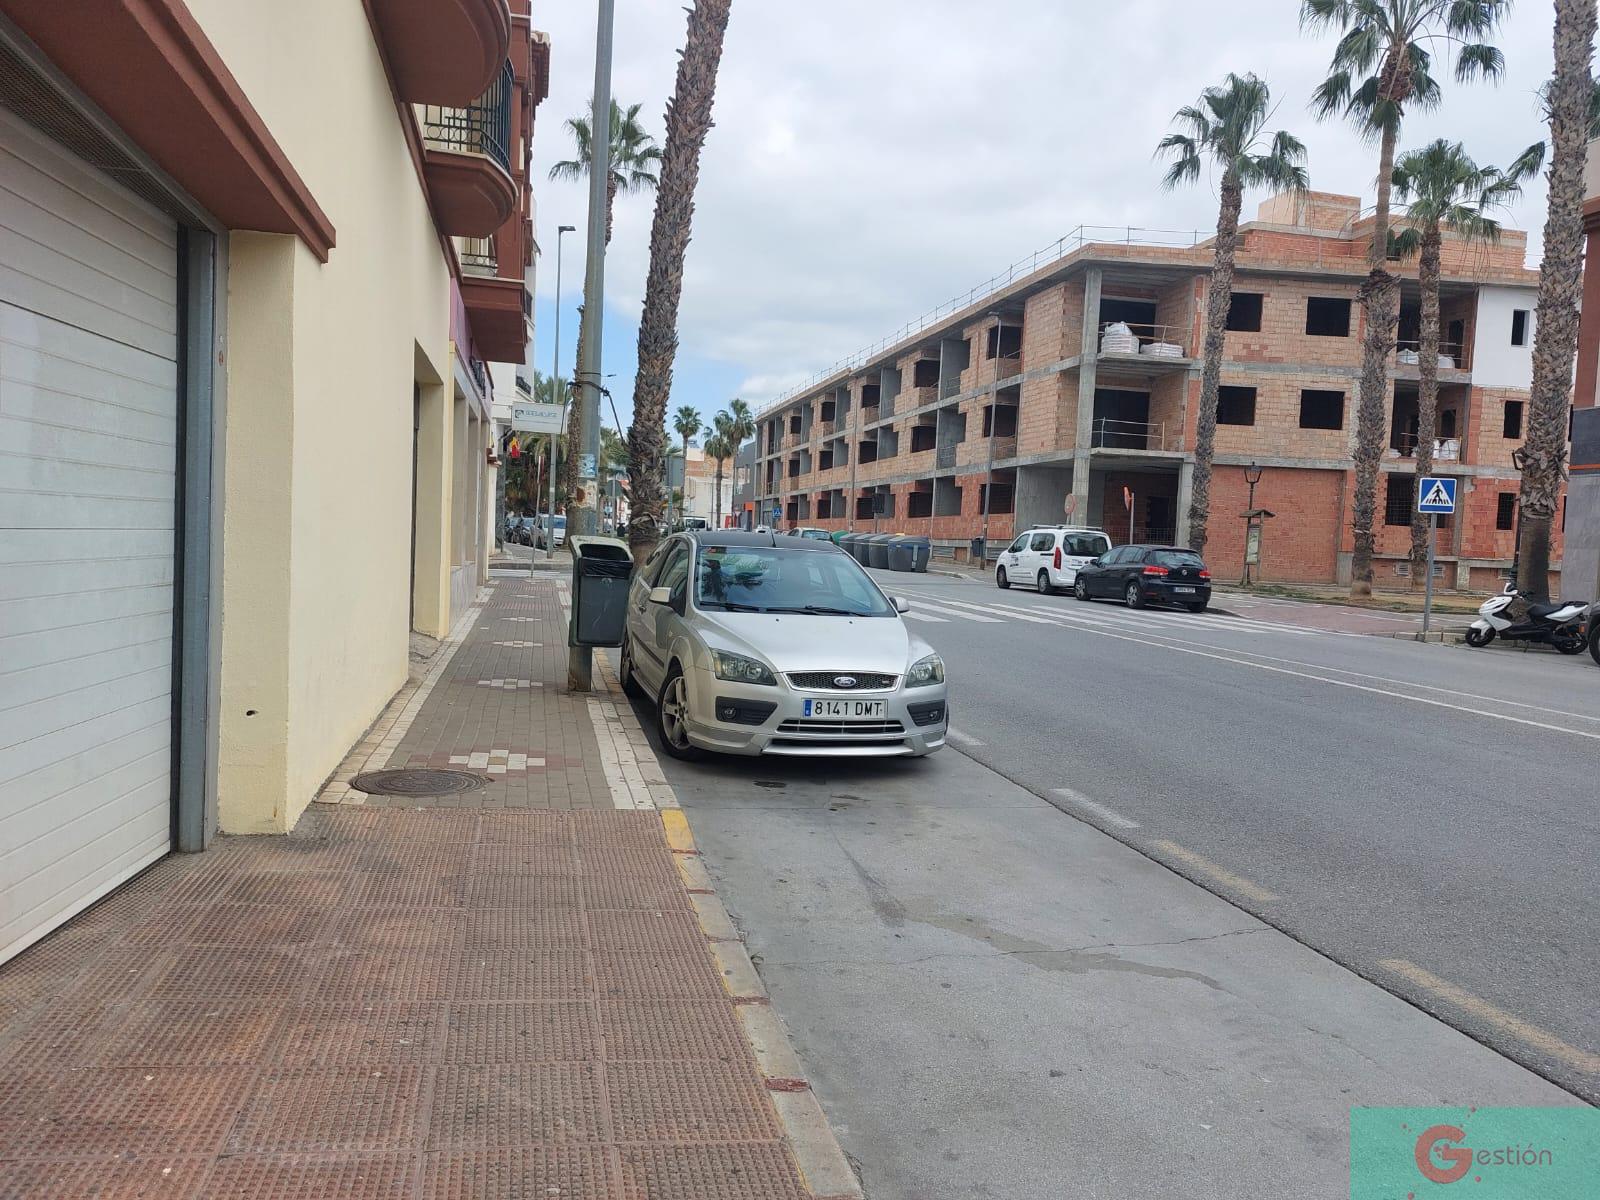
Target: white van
(1048, 556)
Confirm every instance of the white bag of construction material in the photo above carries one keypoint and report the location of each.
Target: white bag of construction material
(1118, 339)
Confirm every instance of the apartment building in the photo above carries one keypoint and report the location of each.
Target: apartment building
(256, 257)
(1068, 390)
(1582, 511)
(700, 497)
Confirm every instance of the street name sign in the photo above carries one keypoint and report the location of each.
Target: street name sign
(1436, 494)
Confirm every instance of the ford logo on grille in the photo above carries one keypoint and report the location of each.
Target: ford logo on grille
(844, 681)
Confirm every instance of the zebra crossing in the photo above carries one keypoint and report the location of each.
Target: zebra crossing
(940, 608)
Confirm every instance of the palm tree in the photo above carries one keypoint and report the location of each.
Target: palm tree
(634, 161)
(720, 447)
(1381, 68)
(1542, 458)
(687, 423)
(1442, 187)
(613, 461)
(741, 428)
(635, 157)
(688, 121)
(1226, 129)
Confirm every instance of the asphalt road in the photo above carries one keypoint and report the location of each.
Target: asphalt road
(992, 994)
(1403, 808)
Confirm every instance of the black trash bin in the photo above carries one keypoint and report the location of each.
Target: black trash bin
(975, 551)
(852, 544)
(902, 554)
(601, 571)
(921, 550)
(878, 550)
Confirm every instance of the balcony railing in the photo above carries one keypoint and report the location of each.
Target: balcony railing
(478, 256)
(1108, 434)
(1444, 449)
(1452, 355)
(1149, 341)
(482, 127)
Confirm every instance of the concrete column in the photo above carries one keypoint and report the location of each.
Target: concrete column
(431, 583)
(1086, 382)
(1580, 553)
(1185, 495)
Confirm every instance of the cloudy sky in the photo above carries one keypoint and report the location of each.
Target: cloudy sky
(873, 158)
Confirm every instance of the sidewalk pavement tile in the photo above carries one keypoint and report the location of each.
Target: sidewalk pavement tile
(398, 1001)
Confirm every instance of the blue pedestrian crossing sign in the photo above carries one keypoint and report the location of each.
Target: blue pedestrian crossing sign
(1436, 494)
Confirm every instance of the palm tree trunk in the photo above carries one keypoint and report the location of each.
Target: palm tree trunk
(1380, 311)
(1555, 339)
(1427, 395)
(1218, 297)
(688, 120)
(716, 497)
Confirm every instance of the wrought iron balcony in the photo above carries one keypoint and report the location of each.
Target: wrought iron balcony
(478, 256)
(482, 127)
(467, 160)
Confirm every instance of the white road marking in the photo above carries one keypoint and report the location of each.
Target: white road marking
(922, 616)
(959, 614)
(955, 735)
(1109, 815)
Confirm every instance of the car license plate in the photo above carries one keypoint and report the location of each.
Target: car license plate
(834, 710)
(1185, 591)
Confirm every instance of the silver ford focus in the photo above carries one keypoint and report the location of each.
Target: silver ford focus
(755, 644)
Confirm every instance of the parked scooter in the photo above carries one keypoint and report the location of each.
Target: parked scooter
(1560, 625)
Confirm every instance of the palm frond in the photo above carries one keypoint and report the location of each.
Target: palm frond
(1333, 95)
(1479, 60)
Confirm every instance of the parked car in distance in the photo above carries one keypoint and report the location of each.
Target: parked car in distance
(1140, 575)
(808, 531)
(541, 526)
(1048, 556)
(755, 643)
(521, 530)
(693, 523)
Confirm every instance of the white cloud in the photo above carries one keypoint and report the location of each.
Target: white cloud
(871, 160)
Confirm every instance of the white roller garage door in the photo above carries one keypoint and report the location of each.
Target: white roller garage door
(88, 504)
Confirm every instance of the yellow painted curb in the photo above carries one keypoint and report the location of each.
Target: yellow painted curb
(676, 826)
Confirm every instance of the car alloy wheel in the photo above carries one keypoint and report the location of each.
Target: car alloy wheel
(1044, 584)
(1000, 580)
(672, 711)
(1080, 589)
(1134, 596)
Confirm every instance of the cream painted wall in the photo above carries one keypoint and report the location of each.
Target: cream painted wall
(1495, 361)
(317, 590)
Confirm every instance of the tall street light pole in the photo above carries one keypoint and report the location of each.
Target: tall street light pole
(580, 659)
(561, 394)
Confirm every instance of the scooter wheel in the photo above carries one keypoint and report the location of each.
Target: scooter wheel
(1568, 643)
(1479, 637)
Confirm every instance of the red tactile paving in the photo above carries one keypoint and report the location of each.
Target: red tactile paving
(520, 1173)
(311, 1177)
(516, 1033)
(516, 1104)
(749, 1171)
(350, 1108)
(159, 1176)
(390, 1002)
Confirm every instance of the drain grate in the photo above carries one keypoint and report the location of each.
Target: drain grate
(417, 782)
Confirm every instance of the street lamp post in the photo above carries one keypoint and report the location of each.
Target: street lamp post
(561, 393)
(1252, 476)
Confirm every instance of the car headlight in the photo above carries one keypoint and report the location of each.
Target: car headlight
(925, 672)
(740, 669)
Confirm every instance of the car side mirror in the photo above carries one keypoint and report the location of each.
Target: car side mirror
(660, 595)
(1095, 562)
(901, 604)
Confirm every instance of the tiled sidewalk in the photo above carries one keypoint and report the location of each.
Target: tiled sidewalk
(499, 1001)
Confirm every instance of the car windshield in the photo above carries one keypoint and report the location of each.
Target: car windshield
(773, 579)
(1177, 558)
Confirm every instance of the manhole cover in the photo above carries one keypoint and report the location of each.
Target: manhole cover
(417, 782)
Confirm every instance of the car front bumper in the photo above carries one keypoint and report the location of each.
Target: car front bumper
(785, 731)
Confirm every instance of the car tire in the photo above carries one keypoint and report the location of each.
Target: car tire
(1196, 608)
(625, 672)
(1133, 596)
(1043, 584)
(671, 709)
(1080, 589)
(1000, 580)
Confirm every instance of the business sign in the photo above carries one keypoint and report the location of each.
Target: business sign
(1436, 494)
(537, 418)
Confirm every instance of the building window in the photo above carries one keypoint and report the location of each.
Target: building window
(1003, 341)
(1519, 327)
(1002, 500)
(1327, 316)
(925, 373)
(919, 504)
(1447, 423)
(1244, 312)
(1321, 409)
(1003, 419)
(1505, 512)
(1397, 499)
(1512, 428)
(1236, 405)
